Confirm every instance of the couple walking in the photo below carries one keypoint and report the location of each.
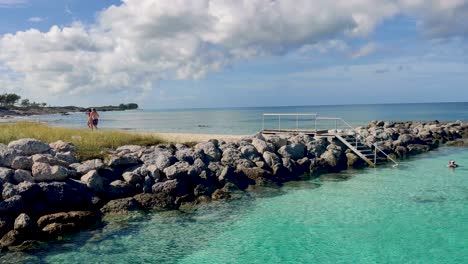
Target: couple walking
(93, 118)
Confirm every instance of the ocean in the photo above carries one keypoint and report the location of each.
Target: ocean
(243, 121)
(415, 213)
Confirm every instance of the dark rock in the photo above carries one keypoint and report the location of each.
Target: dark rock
(271, 158)
(24, 223)
(414, 149)
(6, 175)
(210, 150)
(27, 190)
(251, 153)
(354, 161)
(118, 189)
(7, 155)
(159, 201)
(172, 188)
(11, 206)
(12, 238)
(22, 163)
(21, 176)
(121, 206)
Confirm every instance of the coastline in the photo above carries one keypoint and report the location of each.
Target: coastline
(47, 193)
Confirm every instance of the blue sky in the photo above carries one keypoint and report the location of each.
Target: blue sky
(211, 53)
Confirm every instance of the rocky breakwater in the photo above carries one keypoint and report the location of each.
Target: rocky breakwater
(46, 193)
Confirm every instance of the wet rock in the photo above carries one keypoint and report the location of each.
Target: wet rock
(62, 146)
(62, 223)
(414, 149)
(294, 151)
(354, 161)
(121, 206)
(29, 146)
(12, 238)
(44, 172)
(22, 163)
(94, 181)
(150, 201)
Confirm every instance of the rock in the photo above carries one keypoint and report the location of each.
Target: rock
(215, 168)
(132, 178)
(203, 190)
(44, 172)
(21, 176)
(29, 146)
(278, 141)
(178, 170)
(354, 161)
(318, 147)
(121, 206)
(27, 190)
(333, 160)
(11, 206)
(250, 153)
(6, 175)
(210, 149)
(401, 151)
(188, 155)
(49, 160)
(94, 181)
(123, 161)
(7, 155)
(61, 146)
(67, 157)
(89, 165)
(161, 159)
(414, 149)
(148, 184)
(70, 195)
(271, 158)
(155, 201)
(118, 189)
(22, 163)
(152, 171)
(220, 194)
(24, 223)
(12, 238)
(129, 149)
(171, 188)
(262, 145)
(294, 151)
(66, 222)
(231, 156)
(254, 173)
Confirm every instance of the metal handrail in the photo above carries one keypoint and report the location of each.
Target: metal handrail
(289, 114)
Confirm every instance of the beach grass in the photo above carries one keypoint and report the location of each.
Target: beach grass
(91, 144)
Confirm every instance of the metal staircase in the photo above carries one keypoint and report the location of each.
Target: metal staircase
(344, 132)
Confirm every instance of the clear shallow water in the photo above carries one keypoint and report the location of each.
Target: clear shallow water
(249, 120)
(416, 213)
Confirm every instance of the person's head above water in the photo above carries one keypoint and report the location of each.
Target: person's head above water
(94, 109)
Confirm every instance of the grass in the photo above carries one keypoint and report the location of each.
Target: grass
(90, 143)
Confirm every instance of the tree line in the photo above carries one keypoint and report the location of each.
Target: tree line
(10, 99)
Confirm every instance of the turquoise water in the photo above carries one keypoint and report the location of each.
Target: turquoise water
(249, 120)
(416, 213)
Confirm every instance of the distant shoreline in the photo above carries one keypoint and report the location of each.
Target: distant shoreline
(14, 111)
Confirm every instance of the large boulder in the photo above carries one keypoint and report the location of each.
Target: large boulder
(29, 146)
(294, 151)
(271, 158)
(62, 223)
(262, 145)
(22, 163)
(23, 223)
(70, 195)
(250, 153)
(231, 156)
(318, 147)
(118, 189)
(11, 206)
(155, 201)
(354, 161)
(188, 155)
(123, 161)
(6, 175)
(67, 157)
(94, 181)
(48, 159)
(12, 238)
(121, 206)
(179, 170)
(132, 177)
(62, 146)
(44, 172)
(278, 141)
(333, 159)
(21, 176)
(171, 188)
(160, 158)
(7, 155)
(210, 151)
(414, 149)
(88, 165)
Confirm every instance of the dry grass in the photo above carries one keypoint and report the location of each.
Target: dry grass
(90, 143)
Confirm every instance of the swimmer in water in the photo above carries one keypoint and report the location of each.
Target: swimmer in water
(452, 164)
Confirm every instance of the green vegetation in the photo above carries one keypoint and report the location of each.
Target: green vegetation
(10, 99)
(129, 106)
(90, 143)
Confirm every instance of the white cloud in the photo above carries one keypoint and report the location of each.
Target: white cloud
(133, 45)
(365, 50)
(35, 19)
(12, 3)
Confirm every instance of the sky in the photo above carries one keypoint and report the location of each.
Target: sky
(234, 53)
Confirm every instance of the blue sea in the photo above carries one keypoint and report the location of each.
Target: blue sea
(243, 121)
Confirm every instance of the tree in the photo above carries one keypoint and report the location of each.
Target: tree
(43, 104)
(25, 102)
(9, 99)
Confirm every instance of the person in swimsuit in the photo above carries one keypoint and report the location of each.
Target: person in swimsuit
(94, 118)
(90, 122)
(452, 164)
